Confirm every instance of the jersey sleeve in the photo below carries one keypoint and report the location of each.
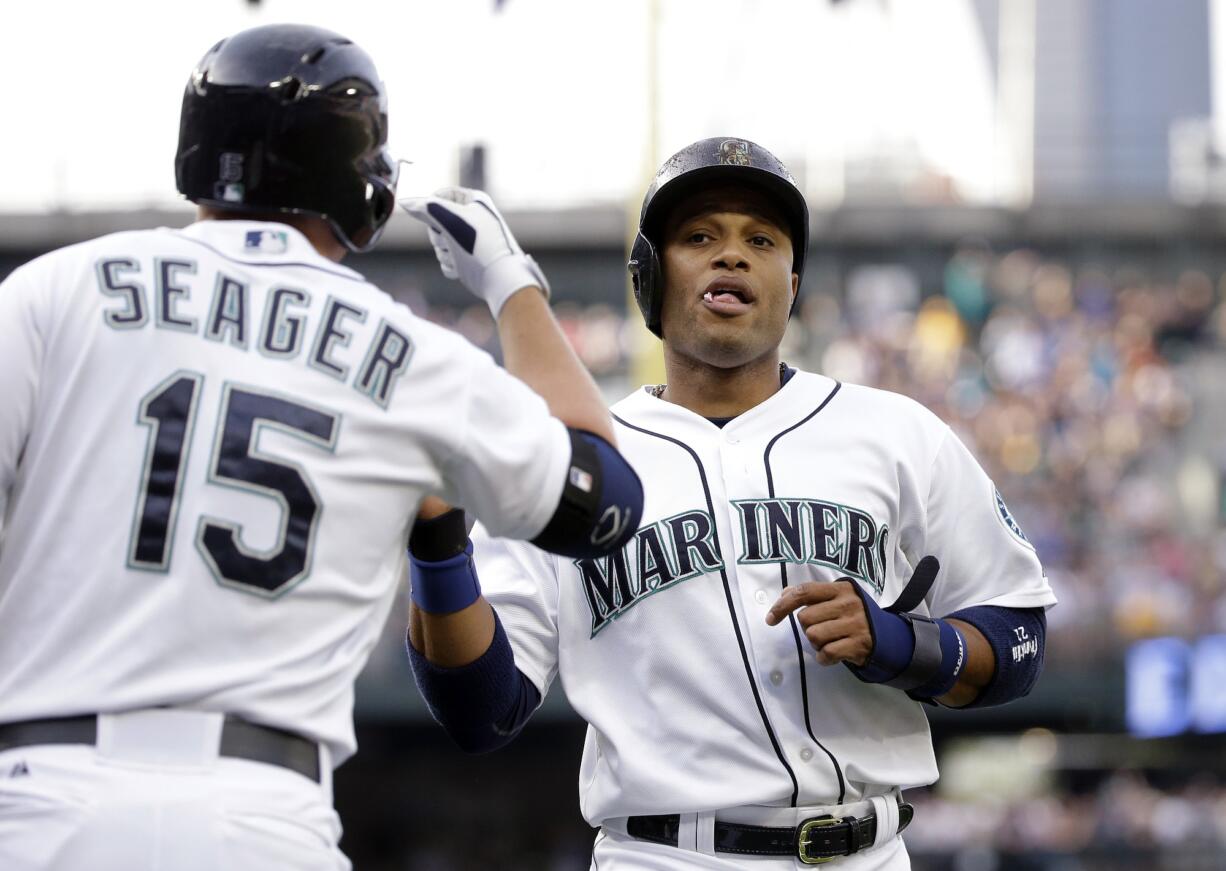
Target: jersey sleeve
(21, 354)
(985, 557)
(510, 460)
(521, 583)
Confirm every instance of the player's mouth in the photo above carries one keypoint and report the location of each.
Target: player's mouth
(728, 295)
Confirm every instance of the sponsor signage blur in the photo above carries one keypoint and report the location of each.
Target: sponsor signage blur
(1175, 686)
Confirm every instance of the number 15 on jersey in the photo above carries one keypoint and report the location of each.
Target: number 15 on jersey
(170, 412)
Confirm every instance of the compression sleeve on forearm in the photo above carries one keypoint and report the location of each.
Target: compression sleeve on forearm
(1017, 637)
(482, 705)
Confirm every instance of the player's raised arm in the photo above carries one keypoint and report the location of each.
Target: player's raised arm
(462, 659)
(475, 246)
(601, 497)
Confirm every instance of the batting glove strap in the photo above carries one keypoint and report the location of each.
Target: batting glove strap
(921, 656)
(446, 586)
(938, 660)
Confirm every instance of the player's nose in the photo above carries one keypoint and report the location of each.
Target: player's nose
(730, 254)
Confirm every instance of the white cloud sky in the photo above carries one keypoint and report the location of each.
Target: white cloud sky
(557, 89)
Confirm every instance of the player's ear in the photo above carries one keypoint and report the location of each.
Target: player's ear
(795, 286)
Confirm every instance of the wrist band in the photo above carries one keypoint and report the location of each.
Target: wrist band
(446, 586)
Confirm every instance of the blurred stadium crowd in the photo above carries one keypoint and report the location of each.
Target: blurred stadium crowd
(1121, 821)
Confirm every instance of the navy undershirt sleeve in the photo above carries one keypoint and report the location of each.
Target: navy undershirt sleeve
(482, 705)
(1018, 637)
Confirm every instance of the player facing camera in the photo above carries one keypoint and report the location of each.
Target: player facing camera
(815, 562)
(735, 171)
(727, 274)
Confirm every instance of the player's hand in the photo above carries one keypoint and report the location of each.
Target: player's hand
(473, 244)
(832, 617)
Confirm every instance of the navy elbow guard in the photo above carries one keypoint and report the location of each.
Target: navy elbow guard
(482, 705)
(601, 505)
(1017, 637)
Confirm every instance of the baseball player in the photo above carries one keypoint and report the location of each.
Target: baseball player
(213, 442)
(816, 562)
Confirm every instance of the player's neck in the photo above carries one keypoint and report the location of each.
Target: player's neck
(710, 391)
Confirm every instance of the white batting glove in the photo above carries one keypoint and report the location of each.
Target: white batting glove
(473, 243)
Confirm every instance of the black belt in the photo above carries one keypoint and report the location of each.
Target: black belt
(813, 842)
(239, 740)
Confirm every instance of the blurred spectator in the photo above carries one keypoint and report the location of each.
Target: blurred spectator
(1122, 821)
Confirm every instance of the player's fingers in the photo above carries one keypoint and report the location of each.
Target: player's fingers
(829, 602)
(416, 206)
(446, 262)
(443, 253)
(852, 649)
(828, 631)
(460, 195)
(822, 612)
(794, 597)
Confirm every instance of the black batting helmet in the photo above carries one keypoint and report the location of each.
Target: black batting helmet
(289, 119)
(706, 162)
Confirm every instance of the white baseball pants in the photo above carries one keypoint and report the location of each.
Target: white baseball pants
(614, 852)
(157, 797)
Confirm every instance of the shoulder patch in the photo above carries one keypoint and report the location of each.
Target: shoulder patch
(1006, 518)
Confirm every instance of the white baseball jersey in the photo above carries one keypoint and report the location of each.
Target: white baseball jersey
(213, 443)
(693, 702)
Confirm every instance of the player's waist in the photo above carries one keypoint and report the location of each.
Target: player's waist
(814, 834)
(169, 736)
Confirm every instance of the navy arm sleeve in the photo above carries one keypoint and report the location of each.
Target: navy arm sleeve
(1018, 638)
(482, 705)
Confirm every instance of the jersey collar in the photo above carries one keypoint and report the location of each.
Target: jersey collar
(793, 400)
(263, 243)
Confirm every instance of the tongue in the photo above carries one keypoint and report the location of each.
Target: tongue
(725, 296)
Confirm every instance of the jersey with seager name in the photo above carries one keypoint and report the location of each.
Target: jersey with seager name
(212, 445)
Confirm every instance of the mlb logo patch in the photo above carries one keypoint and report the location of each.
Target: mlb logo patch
(580, 479)
(267, 241)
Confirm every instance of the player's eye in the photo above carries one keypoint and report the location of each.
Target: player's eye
(760, 241)
(697, 237)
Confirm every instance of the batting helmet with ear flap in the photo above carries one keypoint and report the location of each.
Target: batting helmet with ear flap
(704, 163)
(289, 119)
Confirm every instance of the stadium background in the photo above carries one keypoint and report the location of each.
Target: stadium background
(1062, 303)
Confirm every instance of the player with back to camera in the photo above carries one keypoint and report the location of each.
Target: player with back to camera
(788, 518)
(213, 442)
